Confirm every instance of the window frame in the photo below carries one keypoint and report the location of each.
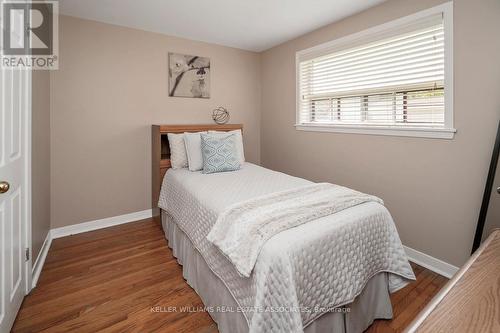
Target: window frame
(366, 36)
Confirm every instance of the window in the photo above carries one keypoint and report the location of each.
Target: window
(394, 79)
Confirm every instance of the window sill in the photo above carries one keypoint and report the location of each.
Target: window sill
(434, 133)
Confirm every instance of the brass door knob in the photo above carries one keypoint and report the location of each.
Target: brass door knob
(4, 186)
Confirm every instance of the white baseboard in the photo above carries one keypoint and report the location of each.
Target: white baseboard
(431, 263)
(40, 260)
(100, 224)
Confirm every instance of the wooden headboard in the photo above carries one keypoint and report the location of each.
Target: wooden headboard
(161, 151)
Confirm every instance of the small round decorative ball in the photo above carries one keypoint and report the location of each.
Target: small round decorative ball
(220, 115)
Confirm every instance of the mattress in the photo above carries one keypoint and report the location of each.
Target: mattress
(306, 270)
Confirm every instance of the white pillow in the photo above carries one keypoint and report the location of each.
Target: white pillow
(178, 157)
(192, 142)
(239, 142)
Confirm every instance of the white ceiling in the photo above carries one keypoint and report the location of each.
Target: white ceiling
(254, 25)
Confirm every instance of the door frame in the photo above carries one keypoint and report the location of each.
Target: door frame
(27, 177)
(487, 193)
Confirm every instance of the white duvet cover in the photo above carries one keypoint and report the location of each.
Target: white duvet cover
(300, 273)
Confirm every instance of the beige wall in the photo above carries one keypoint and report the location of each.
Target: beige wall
(110, 88)
(40, 168)
(433, 188)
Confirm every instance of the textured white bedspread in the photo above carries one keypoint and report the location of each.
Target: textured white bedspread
(299, 272)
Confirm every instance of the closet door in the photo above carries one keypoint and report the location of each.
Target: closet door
(14, 189)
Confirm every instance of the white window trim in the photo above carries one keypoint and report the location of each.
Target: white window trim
(447, 132)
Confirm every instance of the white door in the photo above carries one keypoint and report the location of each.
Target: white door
(14, 192)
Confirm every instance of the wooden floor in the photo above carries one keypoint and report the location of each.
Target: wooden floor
(108, 280)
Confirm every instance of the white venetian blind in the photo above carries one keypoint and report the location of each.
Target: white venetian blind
(396, 80)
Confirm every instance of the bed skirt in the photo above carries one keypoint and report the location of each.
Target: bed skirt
(373, 303)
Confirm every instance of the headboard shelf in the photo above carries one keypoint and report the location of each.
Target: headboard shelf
(161, 151)
(164, 129)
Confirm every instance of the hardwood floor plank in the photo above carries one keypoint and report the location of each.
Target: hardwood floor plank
(101, 234)
(414, 308)
(108, 280)
(109, 245)
(55, 274)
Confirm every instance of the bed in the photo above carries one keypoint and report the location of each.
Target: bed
(332, 274)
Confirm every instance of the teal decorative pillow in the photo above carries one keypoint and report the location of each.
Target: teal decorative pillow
(219, 153)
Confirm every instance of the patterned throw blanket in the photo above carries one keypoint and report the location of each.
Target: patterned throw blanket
(241, 231)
